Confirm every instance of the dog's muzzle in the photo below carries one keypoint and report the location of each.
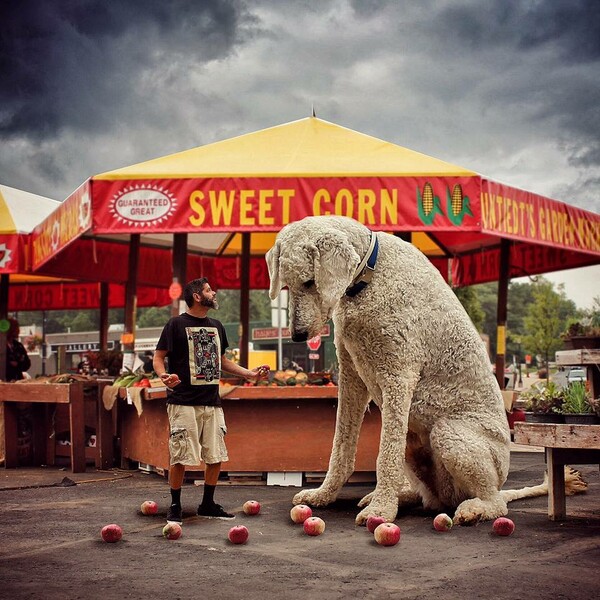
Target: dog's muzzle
(299, 336)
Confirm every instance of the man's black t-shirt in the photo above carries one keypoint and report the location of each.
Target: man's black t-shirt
(194, 348)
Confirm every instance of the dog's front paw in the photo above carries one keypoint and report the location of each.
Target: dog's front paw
(387, 510)
(318, 497)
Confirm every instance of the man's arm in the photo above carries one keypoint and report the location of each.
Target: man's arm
(251, 375)
(158, 364)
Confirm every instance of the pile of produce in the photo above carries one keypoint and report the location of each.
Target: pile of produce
(59, 378)
(131, 379)
(292, 377)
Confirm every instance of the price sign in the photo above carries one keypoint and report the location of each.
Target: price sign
(175, 290)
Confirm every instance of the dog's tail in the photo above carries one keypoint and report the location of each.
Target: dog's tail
(574, 484)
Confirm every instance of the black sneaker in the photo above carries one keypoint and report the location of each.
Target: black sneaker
(214, 511)
(174, 514)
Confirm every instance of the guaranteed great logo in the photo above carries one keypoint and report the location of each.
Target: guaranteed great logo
(142, 206)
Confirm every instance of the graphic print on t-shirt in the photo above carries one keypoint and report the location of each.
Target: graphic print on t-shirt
(204, 347)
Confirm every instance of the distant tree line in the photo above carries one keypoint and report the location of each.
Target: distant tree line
(539, 313)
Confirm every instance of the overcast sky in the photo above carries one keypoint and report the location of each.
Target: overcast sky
(507, 88)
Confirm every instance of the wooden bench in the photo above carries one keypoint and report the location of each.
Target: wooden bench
(563, 444)
(44, 446)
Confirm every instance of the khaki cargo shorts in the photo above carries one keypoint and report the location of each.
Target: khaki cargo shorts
(197, 432)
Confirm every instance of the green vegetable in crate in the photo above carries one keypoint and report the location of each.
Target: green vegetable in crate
(291, 381)
(135, 379)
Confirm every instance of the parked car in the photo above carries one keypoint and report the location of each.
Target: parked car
(577, 374)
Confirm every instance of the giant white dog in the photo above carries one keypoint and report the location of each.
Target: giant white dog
(404, 341)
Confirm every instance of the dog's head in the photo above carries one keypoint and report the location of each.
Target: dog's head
(317, 264)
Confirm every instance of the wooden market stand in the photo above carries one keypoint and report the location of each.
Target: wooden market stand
(566, 444)
(45, 447)
(269, 430)
(563, 444)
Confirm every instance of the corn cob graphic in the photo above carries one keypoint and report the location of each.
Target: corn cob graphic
(428, 204)
(457, 199)
(457, 205)
(427, 201)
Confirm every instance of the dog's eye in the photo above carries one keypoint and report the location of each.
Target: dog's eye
(308, 284)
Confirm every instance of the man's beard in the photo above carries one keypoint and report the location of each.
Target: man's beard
(210, 303)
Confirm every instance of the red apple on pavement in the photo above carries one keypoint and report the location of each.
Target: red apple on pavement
(314, 526)
(238, 534)
(172, 531)
(300, 513)
(374, 521)
(387, 534)
(149, 507)
(503, 526)
(251, 507)
(442, 522)
(111, 533)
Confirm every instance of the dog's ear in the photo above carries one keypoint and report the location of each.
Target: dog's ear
(272, 258)
(335, 262)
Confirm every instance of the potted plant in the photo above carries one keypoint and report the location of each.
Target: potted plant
(543, 403)
(582, 334)
(577, 406)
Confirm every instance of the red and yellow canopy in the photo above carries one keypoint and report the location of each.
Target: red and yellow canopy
(259, 182)
(20, 212)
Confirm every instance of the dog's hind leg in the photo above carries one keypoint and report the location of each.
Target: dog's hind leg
(352, 403)
(472, 463)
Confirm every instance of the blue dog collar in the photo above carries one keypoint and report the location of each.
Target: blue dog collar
(365, 269)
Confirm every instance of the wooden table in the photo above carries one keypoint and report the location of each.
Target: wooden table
(564, 444)
(44, 446)
(270, 429)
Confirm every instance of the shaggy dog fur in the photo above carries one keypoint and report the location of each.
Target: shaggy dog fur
(406, 343)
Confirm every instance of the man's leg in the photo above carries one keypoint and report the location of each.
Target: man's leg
(209, 508)
(211, 478)
(176, 475)
(184, 449)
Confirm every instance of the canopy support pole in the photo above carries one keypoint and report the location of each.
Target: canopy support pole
(179, 266)
(131, 298)
(245, 301)
(502, 311)
(104, 291)
(4, 283)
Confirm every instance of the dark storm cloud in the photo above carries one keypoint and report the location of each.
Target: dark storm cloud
(572, 25)
(76, 63)
(557, 43)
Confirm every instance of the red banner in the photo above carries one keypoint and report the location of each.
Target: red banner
(267, 204)
(525, 216)
(71, 296)
(84, 259)
(12, 253)
(72, 218)
(525, 259)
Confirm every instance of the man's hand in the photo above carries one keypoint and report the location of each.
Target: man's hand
(260, 373)
(170, 379)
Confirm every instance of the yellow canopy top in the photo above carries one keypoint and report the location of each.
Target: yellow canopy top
(308, 147)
